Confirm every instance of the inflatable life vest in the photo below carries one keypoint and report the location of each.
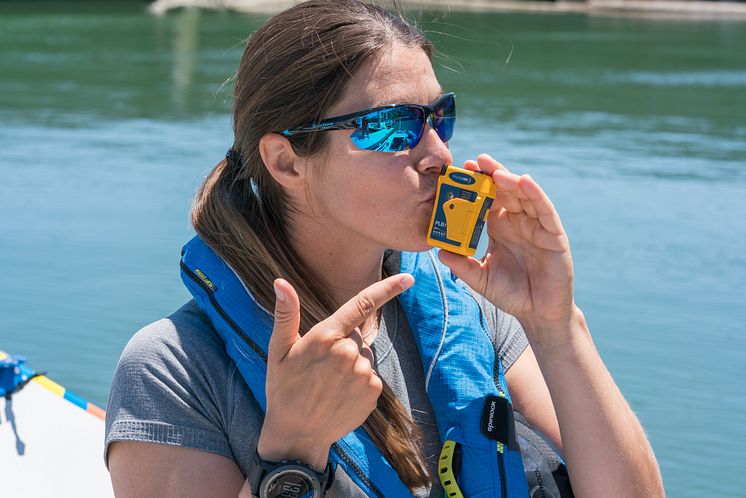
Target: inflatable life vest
(470, 401)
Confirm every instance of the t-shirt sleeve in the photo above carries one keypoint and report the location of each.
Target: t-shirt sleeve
(510, 339)
(169, 388)
(508, 336)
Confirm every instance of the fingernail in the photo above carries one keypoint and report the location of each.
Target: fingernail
(279, 293)
(406, 281)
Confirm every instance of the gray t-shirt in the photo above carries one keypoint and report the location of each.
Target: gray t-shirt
(175, 384)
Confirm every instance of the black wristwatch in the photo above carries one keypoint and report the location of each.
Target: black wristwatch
(287, 479)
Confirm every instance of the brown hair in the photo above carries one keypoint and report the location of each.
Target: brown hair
(292, 71)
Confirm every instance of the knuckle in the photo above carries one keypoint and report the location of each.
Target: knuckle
(362, 369)
(373, 395)
(365, 304)
(346, 352)
(376, 385)
(283, 315)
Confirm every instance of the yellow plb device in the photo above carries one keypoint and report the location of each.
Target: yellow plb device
(462, 203)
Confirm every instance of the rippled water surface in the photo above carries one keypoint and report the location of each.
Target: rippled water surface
(110, 118)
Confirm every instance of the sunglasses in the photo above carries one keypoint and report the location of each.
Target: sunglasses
(390, 128)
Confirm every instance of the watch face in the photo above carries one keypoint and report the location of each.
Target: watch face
(290, 483)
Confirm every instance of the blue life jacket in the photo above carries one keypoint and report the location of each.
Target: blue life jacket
(457, 355)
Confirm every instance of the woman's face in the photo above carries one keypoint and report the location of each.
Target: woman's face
(385, 198)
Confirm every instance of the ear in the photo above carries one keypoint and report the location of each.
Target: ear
(285, 166)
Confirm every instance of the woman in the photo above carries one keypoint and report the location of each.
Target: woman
(303, 211)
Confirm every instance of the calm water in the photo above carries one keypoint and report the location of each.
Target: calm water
(109, 119)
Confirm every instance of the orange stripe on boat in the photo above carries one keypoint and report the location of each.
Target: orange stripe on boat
(96, 411)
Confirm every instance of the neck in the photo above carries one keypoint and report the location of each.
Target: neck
(347, 264)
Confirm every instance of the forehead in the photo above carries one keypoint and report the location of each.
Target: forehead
(400, 74)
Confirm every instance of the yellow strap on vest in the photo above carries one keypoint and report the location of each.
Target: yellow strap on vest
(446, 471)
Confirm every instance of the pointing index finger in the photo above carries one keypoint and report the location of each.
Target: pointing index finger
(354, 312)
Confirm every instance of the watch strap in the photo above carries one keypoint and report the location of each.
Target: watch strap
(259, 468)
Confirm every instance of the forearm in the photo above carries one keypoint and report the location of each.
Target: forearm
(604, 445)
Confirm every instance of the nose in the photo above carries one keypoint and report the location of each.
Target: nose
(431, 153)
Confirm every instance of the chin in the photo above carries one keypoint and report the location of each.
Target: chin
(412, 237)
(417, 245)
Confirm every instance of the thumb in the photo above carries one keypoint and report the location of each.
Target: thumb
(287, 321)
(467, 269)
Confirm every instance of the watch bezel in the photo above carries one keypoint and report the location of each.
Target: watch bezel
(290, 468)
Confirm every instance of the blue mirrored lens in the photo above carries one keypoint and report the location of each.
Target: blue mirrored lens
(400, 128)
(388, 130)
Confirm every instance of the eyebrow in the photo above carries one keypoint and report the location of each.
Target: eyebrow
(386, 102)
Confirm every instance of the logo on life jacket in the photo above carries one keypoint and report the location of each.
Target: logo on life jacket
(204, 279)
(498, 421)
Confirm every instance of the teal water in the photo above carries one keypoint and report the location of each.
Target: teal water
(110, 118)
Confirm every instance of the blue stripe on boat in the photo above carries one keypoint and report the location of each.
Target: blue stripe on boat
(75, 399)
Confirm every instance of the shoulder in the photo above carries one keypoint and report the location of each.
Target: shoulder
(182, 349)
(173, 385)
(187, 334)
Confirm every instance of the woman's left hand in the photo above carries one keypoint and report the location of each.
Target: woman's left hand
(527, 270)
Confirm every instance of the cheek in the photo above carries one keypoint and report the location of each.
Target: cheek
(384, 207)
(377, 190)
(354, 194)
(377, 194)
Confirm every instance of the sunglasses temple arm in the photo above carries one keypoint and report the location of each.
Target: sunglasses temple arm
(346, 125)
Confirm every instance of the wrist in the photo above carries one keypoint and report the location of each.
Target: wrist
(275, 447)
(548, 336)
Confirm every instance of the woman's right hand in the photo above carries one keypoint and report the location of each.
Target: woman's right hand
(322, 385)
